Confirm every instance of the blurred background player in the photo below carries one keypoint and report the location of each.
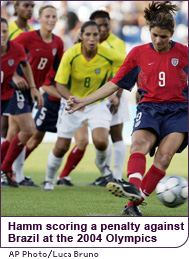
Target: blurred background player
(44, 51)
(162, 114)
(118, 107)
(12, 54)
(46, 118)
(24, 12)
(83, 69)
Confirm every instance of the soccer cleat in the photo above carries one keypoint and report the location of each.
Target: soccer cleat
(99, 182)
(131, 211)
(8, 178)
(48, 186)
(125, 189)
(103, 180)
(3, 184)
(64, 182)
(27, 182)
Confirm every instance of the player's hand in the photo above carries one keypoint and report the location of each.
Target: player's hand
(114, 103)
(74, 104)
(20, 82)
(35, 94)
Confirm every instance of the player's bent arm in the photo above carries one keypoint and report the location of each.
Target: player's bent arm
(76, 103)
(103, 92)
(20, 82)
(62, 90)
(115, 101)
(51, 90)
(26, 68)
(35, 94)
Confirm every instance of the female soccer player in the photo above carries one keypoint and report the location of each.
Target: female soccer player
(45, 121)
(44, 51)
(24, 12)
(13, 54)
(118, 107)
(46, 117)
(83, 69)
(160, 68)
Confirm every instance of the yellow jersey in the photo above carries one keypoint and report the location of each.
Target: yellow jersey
(14, 31)
(84, 77)
(113, 42)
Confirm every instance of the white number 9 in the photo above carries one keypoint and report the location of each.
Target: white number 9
(161, 79)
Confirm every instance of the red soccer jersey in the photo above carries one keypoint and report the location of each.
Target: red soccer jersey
(161, 77)
(41, 55)
(9, 62)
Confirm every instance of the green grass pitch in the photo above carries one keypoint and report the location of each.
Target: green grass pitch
(80, 200)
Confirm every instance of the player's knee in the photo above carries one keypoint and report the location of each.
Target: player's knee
(140, 145)
(29, 129)
(30, 132)
(11, 133)
(26, 135)
(163, 160)
(101, 144)
(60, 149)
(82, 143)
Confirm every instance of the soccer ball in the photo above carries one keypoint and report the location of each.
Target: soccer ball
(172, 190)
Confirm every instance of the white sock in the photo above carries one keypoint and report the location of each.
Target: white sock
(2, 139)
(100, 160)
(119, 158)
(142, 194)
(108, 154)
(53, 165)
(18, 166)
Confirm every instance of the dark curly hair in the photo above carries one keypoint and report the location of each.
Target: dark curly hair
(99, 14)
(160, 14)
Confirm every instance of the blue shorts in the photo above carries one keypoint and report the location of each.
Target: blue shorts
(20, 103)
(46, 118)
(163, 119)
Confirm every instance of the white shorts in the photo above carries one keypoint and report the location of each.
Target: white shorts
(96, 115)
(122, 115)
